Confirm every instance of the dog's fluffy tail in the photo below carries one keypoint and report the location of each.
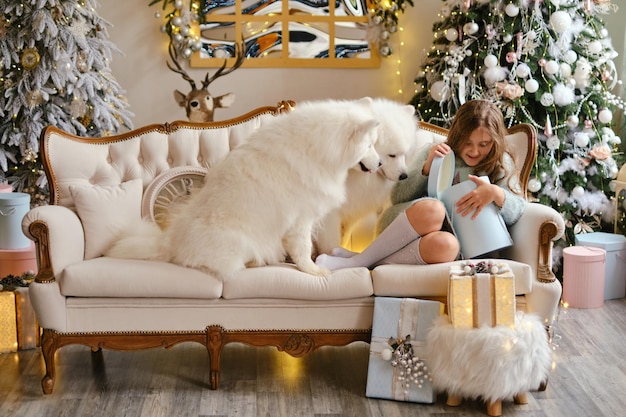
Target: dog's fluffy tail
(139, 241)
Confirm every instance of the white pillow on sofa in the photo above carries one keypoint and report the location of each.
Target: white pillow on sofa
(105, 212)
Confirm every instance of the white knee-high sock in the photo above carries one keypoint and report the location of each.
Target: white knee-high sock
(408, 255)
(397, 235)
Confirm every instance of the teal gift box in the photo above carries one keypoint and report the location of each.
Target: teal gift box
(615, 266)
(398, 369)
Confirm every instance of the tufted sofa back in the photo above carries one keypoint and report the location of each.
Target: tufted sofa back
(143, 153)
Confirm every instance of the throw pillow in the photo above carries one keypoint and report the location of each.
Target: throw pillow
(105, 212)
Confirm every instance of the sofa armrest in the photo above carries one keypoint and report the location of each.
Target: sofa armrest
(59, 237)
(533, 236)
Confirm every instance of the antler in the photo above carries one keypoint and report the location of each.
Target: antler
(198, 103)
(240, 55)
(179, 69)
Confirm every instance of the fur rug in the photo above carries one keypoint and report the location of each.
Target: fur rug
(493, 363)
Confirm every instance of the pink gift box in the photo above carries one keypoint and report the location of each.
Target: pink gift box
(583, 276)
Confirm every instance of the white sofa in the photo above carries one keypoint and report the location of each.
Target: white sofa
(81, 297)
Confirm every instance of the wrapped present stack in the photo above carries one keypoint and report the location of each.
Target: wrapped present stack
(18, 265)
(484, 349)
(481, 294)
(398, 367)
(17, 252)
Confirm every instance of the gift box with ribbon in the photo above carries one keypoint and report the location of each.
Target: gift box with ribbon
(19, 329)
(484, 234)
(481, 293)
(398, 368)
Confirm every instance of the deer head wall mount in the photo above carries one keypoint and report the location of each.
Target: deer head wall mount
(198, 103)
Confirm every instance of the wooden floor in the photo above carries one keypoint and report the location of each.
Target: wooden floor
(588, 380)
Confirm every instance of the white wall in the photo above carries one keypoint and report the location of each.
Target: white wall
(149, 84)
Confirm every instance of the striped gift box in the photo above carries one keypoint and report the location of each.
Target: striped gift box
(481, 293)
(398, 366)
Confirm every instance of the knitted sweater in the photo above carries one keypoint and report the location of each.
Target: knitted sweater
(405, 192)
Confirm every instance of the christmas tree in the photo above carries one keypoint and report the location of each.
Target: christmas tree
(54, 70)
(544, 62)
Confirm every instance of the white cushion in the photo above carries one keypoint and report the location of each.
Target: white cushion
(127, 278)
(432, 280)
(105, 211)
(285, 281)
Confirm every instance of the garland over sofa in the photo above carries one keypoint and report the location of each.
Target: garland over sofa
(99, 185)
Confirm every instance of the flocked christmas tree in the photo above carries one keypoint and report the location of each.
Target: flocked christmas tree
(54, 70)
(545, 62)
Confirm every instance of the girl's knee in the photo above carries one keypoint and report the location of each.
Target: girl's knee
(438, 247)
(426, 216)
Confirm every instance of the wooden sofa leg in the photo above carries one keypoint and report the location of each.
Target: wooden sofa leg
(494, 409)
(48, 350)
(454, 400)
(521, 398)
(214, 345)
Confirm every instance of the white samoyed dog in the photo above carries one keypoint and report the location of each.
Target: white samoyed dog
(264, 200)
(368, 193)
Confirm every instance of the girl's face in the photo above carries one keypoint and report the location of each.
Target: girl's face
(477, 147)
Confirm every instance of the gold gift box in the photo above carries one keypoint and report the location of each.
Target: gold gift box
(481, 294)
(18, 326)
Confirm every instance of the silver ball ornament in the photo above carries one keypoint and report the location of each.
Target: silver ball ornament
(581, 139)
(491, 61)
(534, 185)
(452, 34)
(522, 70)
(470, 28)
(578, 191)
(531, 85)
(560, 21)
(605, 116)
(511, 10)
(553, 143)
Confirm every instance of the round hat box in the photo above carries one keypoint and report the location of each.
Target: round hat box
(583, 276)
(13, 208)
(484, 234)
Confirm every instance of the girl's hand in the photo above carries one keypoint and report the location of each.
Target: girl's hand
(477, 199)
(439, 150)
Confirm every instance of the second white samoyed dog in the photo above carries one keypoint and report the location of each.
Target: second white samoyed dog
(368, 193)
(263, 201)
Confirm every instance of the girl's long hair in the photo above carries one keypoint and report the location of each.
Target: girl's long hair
(482, 113)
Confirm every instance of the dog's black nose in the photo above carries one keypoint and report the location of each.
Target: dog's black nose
(403, 176)
(380, 163)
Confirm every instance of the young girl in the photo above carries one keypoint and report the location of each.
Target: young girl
(413, 229)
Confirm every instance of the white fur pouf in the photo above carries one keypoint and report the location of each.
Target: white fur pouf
(493, 363)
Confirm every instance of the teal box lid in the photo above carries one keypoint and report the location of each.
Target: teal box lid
(608, 241)
(14, 199)
(441, 175)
